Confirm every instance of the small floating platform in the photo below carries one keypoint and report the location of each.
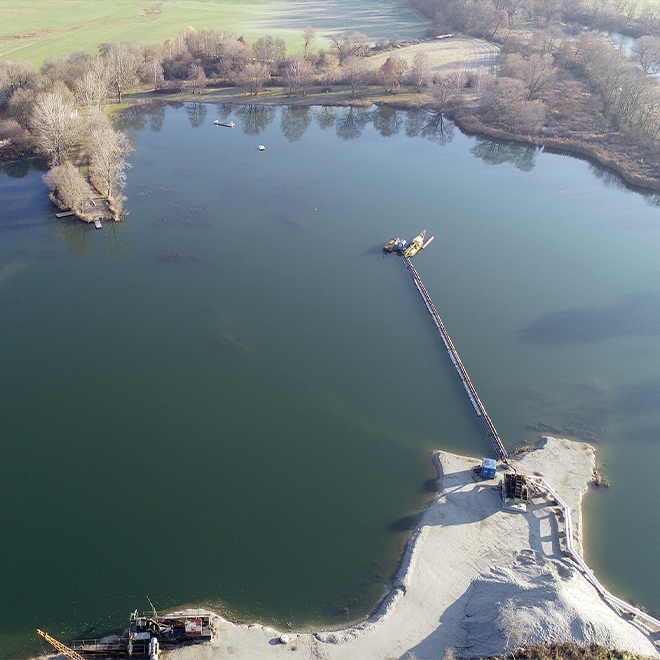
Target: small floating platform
(390, 245)
(64, 214)
(228, 124)
(262, 148)
(97, 223)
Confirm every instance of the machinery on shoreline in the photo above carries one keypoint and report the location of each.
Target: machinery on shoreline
(147, 634)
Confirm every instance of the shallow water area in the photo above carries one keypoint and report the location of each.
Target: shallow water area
(230, 397)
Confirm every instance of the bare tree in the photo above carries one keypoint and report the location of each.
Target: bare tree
(107, 150)
(269, 50)
(308, 36)
(233, 56)
(92, 88)
(122, 62)
(17, 74)
(54, 125)
(329, 71)
(197, 76)
(420, 72)
(299, 74)
(264, 49)
(479, 80)
(350, 45)
(536, 71)
(155, 71)
(442, 91)
(253, 77)
(647, 53)
(498, 99)
(357, 73)
(68, 189)
(20, 106)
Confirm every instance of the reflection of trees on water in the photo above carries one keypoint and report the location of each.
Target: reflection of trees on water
(437, 128)
(131, 122)
(76, 237)
(224, 110)
(255, 118)
(325, 117)
(115, 243)
(414, 121)
(80, 238)
(294, 121)
(607, 177)
(21, 168)
(196, 114)
(430, 125)
(387, 121)
(157, 116)
(492, 152)
(350, 124)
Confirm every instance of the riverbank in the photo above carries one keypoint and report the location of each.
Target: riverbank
(474, 578)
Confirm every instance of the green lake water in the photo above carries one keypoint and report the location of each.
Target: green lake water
(231, 397)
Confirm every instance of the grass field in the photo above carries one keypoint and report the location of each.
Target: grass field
(36, 29)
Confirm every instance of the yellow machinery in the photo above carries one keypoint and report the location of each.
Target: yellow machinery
(69, 653)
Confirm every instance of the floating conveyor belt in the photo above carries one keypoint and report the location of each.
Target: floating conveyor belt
(491, 431)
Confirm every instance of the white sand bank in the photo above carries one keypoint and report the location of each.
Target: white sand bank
(473, 576)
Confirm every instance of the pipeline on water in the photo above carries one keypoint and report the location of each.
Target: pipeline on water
(470, 390)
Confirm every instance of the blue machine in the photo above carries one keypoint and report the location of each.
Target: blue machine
(488, 468)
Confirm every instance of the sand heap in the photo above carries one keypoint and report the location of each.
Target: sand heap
(475, 579)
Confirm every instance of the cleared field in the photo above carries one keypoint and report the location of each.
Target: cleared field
(457, 53)
(378, 19)
(36, 29)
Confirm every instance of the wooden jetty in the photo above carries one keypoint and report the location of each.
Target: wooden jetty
(64, 214)
(491, 431)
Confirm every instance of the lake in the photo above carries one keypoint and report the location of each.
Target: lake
(231, 398)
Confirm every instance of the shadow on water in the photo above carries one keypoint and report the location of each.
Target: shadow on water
(634, 315)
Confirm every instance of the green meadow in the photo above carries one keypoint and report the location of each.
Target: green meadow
(37, 29)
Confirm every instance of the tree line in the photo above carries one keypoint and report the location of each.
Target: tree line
(555, 77)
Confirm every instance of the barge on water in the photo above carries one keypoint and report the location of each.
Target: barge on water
(402, 246)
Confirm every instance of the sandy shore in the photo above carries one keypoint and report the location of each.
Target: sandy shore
(474, 579)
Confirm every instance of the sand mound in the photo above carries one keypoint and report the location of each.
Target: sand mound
(475, 579)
